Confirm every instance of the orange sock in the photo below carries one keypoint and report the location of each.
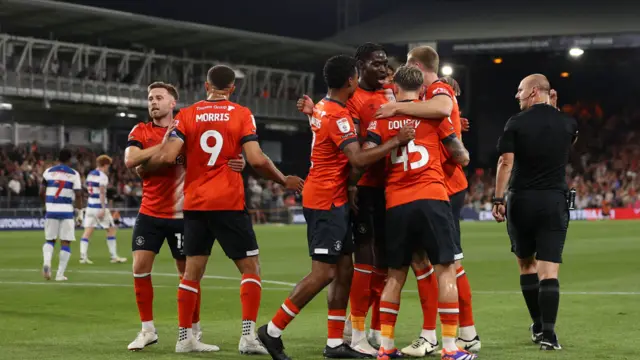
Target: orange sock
(187, 299)
(360, 294)
(285, 314)
(250, 296)
(428, 292)
(464, 298)
(144, 296)
(196, 310)
(335, 326)
(449, 313)
(377, 286)
(388, 316)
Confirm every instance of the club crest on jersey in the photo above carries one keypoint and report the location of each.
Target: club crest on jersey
(440, 90)
(180, 160)
(338, 245)
(362, 229)
(140, 240)
(372, 125)
(343, 125)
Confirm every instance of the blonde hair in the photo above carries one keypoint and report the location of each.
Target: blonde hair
(103, 160)
(427, 57)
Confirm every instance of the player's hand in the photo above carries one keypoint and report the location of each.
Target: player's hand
(498, 212)
(170, 129)
(352, 191)
(140, 171)
(293, 183)
(553, 98)
(406, 134)
(237, 165)
(101, 214)
(386, 110)
(464, 123)
(305, 105)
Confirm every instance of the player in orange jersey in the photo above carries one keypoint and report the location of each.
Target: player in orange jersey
(440, 103)
(334, 147)
(419, 217)
(160, 215)
(367, 225)
(211, 132)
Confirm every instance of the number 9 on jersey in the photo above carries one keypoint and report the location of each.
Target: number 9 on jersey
(214, 151)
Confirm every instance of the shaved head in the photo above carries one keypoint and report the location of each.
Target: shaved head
(538, 81)
(533, 89)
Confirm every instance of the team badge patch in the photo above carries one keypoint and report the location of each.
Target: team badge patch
(343, 125)
(140, 240)
(338, 245)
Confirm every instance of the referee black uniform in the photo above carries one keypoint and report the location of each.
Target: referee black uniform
(537, 209)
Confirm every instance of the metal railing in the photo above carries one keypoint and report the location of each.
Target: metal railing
(119, 94)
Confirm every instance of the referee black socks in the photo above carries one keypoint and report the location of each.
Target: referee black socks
(530, 288)
(549, 301)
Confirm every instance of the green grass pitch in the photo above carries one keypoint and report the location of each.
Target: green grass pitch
(94, 315)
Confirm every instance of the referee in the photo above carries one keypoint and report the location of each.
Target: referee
(535, 147)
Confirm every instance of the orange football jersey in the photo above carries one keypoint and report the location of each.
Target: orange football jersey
(332, 129)
(162, 190)
(454, 176)
(414, 171)
(362, 107)
(214, 132)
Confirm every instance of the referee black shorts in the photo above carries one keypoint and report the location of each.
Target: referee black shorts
(537, 223)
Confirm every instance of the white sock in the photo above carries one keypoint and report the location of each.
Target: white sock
(84, 248)
(375, 334)
(334, 343)
(112, 244)
(449, 344)
(468, 332)
(388, 343)
(273, 330)
(47, 253)
(429, 335)
(65, 254)
(249, 329)
(357, 336)
(148, 326)
(195, 327)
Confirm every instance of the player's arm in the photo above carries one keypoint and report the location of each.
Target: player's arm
(506, 148)
(356, 172)
(434, 108)
(363, 157)
(267, 169)
(171, 146)
(135, 155)
(456, 150)
(43, 191)
(103, 196)
(77, 188)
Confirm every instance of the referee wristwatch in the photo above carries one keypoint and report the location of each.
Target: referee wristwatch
(497, 200)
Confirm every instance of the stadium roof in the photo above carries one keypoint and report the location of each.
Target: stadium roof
(479, 20)
(79, 23)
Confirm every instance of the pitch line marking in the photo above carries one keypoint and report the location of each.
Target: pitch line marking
(282, 283)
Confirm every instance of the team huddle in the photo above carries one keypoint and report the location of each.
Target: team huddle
(383, 194)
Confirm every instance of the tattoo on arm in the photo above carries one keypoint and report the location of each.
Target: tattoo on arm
(458, 152)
